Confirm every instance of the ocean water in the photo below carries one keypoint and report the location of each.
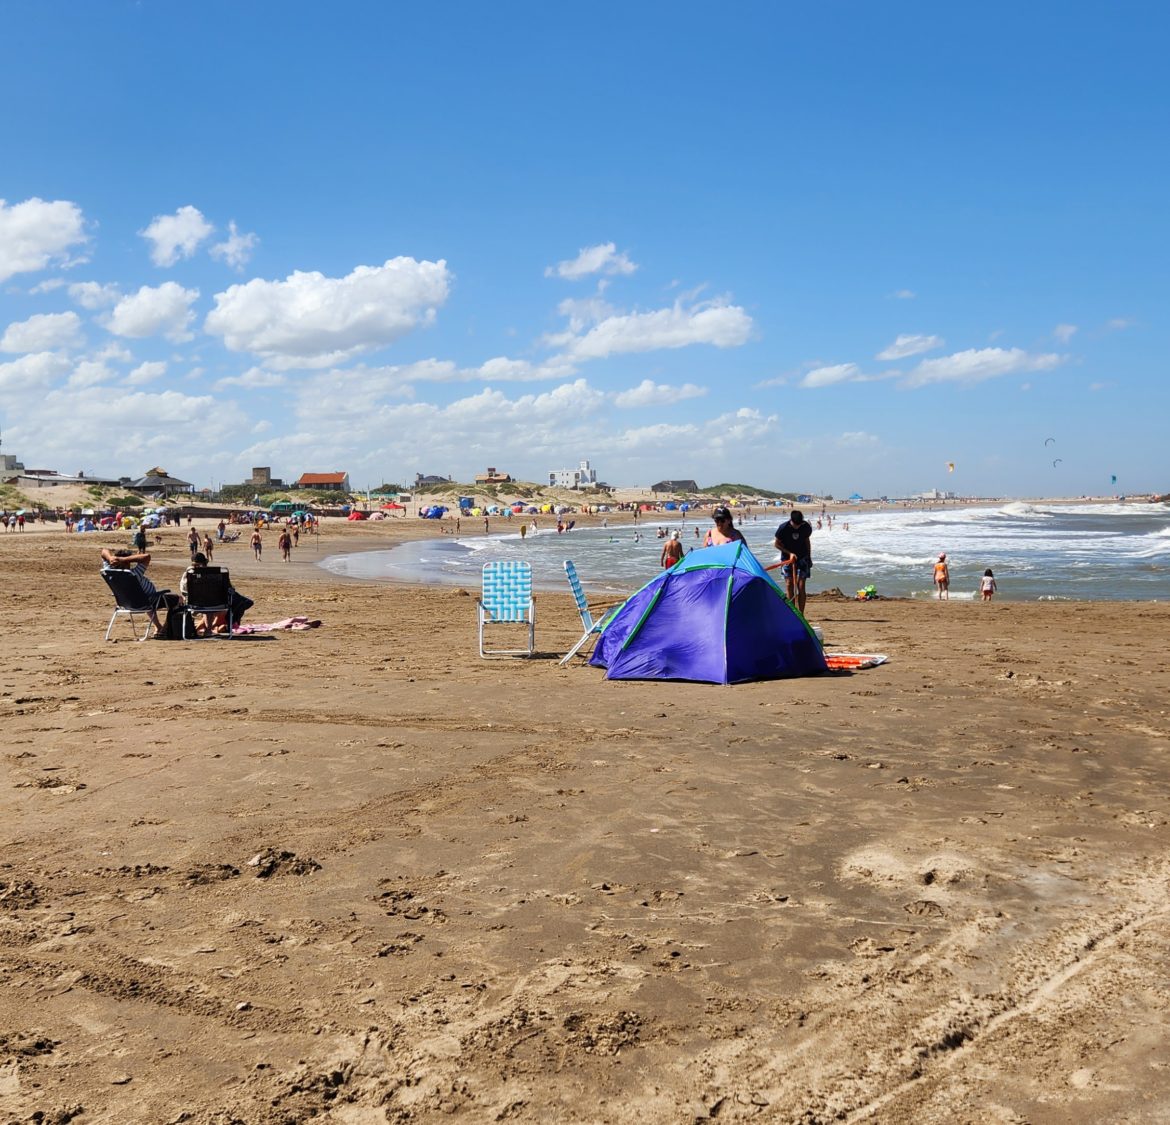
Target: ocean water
(1094, 552)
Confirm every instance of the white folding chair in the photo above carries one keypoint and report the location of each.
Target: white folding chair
(507, 600)
(591, 626)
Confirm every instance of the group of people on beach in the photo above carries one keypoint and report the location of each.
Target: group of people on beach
(942, 581)
(793, 539)
(214, 623)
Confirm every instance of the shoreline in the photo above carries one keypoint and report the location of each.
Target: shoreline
(341, 537)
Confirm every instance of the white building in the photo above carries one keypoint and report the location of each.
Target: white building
(581, 477)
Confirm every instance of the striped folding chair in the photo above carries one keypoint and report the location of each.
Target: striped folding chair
(507, 600)
(591, 626)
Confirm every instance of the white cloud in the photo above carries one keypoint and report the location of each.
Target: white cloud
(1100, 386)
(112, 350)
(49, 285)
(740, 427)
(649, 393)
(1120, 323)
(43, 333)
(716, 323)
(161, 311)
(253, 377)
(502, 369)
(35, 233)
(856, 439)
(977, 364)
(835, 373)
(90, 373)
(661, 435)
(110, 429)
(309, 320)
(146, 373)
(582, 312)
(236, 249)
(903, 294)
(1064, 332)
(176, 236)
(905, 346)
(30, 372)
(603, 258)
(90, 295)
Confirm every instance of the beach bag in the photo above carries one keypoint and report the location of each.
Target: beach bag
(173, 627)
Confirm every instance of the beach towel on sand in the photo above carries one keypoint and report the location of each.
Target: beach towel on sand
(295, 624)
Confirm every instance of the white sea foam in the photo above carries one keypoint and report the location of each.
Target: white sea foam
(1083, 550)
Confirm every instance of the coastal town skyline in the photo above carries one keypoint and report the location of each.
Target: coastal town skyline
(831, 251)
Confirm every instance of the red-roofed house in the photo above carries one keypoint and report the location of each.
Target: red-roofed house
(331, 482)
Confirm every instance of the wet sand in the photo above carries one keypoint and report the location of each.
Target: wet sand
(358, 874)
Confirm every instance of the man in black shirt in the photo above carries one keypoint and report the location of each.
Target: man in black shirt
(794, 542)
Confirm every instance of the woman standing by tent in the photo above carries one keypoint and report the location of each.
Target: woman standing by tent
(724, 530)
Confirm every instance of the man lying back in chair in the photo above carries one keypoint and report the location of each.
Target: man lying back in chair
(216, 622)
(136, 562)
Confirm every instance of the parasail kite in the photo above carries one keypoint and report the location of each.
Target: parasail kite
(1113, 478)
(950, 466)
(1048, 439)
(1057, 462)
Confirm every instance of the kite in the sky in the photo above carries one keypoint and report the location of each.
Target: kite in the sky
(950, 466)
(1057, 462)
(1048, 439)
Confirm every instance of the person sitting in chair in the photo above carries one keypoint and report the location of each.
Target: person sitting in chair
(136, 562)
(216, 623)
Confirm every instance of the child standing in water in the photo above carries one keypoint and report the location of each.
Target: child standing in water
(942, 578)
(987, 585)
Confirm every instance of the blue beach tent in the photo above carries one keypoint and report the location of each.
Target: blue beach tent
(715, 617)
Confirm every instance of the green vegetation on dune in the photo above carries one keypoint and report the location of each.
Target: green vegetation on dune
(727, 489)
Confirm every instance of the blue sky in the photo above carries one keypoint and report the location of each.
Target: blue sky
(827, 247)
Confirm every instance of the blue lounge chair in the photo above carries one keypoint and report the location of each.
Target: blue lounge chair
(507, 600)
(587, 620)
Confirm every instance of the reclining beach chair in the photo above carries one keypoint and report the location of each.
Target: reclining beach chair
(591, 626)
(132, 601)
(507, 600)
(209, 590)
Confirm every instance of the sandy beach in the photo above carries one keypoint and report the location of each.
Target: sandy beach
(359, 874)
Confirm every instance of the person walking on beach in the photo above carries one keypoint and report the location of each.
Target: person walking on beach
(672, 552)
(284, 543)
(208, 546)
(794, 542)
(942, 578)
(987, 585)
(257, 544)
(193, 540)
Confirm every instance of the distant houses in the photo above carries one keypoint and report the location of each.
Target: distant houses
(159, 481)
(583, 476)
(675, 486)
(324, 482)
(423, 480)
(493, 476)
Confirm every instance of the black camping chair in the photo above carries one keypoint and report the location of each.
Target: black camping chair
(209, 590)
(132, 600)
